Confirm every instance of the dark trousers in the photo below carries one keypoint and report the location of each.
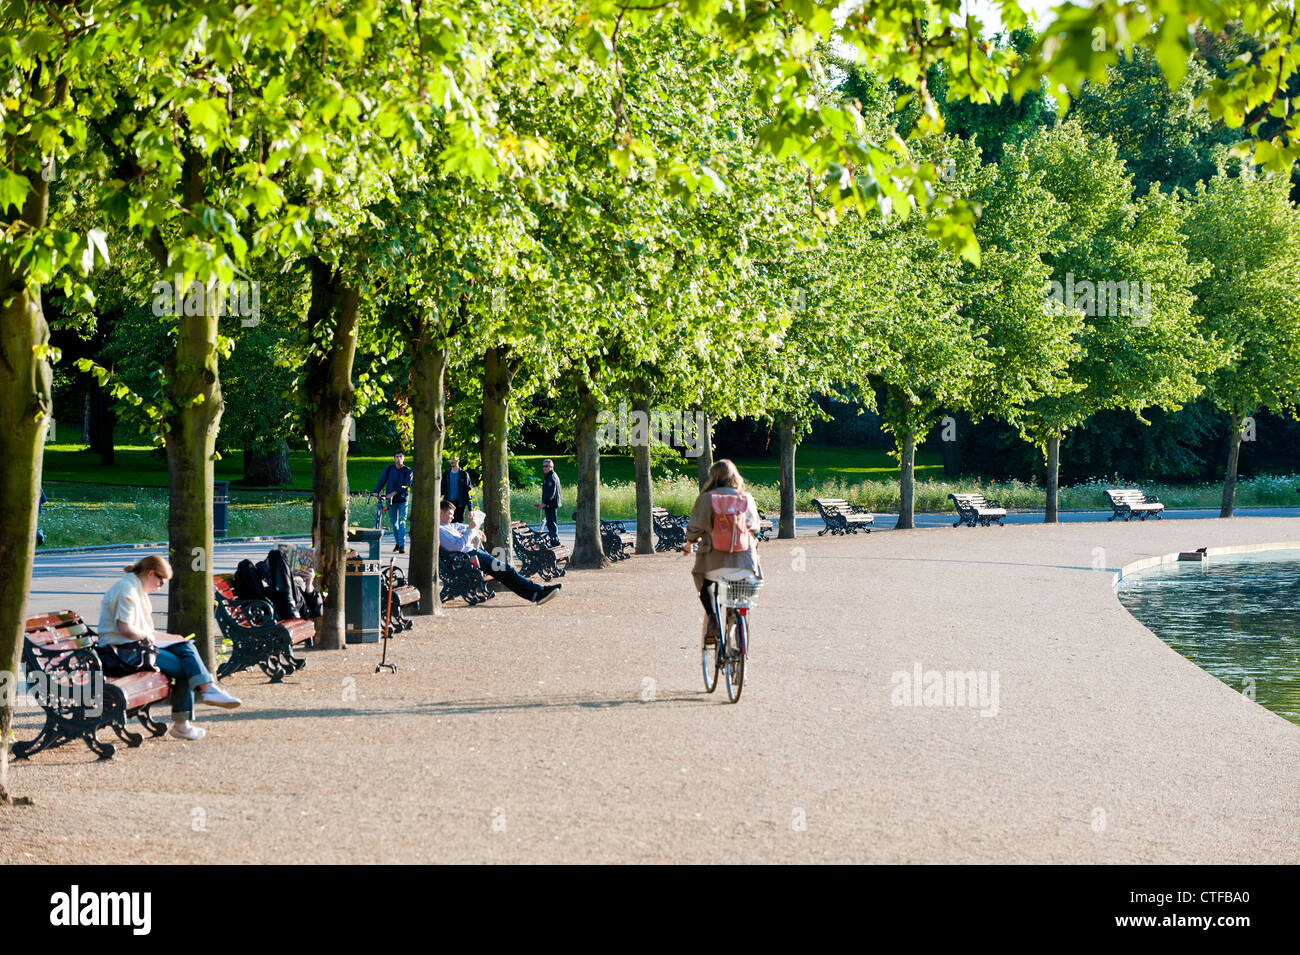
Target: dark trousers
(706, 598)
(500, 570)
(458, 514)
(548, 515)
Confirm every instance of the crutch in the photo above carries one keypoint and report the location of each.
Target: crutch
(388, 617)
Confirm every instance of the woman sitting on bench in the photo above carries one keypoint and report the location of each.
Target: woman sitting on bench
(126, 625)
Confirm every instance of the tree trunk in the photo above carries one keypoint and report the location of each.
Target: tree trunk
(25, 402)
(705, 439)
(332, 317)
(587, 550)
(499, 368)
(428, 372)
(789, 443)
(907, 484)
(1237, 422)
(644, 484)
(193, 391)
(267, 465)
(191, 442)
(1053, 476)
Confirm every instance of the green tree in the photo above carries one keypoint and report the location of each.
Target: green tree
(1244, 233)
(1121, 266)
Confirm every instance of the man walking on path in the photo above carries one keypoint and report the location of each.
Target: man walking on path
(550, 499)
(456, 537)
(456, 486)
(395, 482)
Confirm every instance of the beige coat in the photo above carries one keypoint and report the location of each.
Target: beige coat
(700, 529)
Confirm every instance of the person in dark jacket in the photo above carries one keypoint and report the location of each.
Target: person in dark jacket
(550, 499)
(456, 485)
(288, 594)
(395, 483)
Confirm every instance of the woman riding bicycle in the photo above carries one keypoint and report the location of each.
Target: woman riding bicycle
(722, 507)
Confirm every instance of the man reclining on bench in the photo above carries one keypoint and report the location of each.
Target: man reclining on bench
(464, 538)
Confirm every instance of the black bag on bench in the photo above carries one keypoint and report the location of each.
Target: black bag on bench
(123, 659)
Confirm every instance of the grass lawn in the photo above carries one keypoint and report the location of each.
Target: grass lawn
(139, 466)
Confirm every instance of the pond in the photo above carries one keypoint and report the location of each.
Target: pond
(1238, 619)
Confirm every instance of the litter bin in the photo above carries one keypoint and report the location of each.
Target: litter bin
(220, 507)
(361, 614)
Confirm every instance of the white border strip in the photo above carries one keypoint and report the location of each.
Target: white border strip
(1128, 570)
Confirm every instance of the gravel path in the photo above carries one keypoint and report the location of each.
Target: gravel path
(579, 731)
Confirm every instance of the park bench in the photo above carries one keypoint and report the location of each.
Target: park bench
(459, 578)
(66, 678)
(403, 595)
(765, 527)
(615, 540)
(618, 543)
(256, 637)
(972, 509)
(841, 517)
(1131, 503)
(670, 529)
(536, 554)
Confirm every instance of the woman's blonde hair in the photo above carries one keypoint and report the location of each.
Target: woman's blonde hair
(722, 473)
(152, 562)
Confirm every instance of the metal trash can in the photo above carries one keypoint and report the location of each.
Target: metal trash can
(361, 611)
(220, 507)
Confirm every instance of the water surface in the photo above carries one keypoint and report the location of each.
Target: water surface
(1238, 619)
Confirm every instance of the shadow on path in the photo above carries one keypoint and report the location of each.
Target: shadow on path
(462, 707)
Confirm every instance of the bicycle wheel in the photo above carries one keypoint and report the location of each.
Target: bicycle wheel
(709, 662)
(737, 644)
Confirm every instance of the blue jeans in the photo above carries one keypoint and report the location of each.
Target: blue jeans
(500, 570)
(182, 663)
(397, 514)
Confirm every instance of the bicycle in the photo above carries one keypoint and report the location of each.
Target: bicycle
(727, 654)
(382, 505)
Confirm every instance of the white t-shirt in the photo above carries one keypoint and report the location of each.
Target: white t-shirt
(125, 600)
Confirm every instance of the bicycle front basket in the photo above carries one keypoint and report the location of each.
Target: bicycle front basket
(742, 591)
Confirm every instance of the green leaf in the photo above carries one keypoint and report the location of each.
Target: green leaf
(13, 190)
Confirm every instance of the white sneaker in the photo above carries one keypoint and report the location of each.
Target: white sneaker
(184, 729)
(216, 696)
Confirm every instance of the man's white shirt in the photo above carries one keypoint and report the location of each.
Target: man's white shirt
(456, 537)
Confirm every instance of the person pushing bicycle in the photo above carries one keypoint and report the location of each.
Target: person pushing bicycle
(395, 484)
(724, 522)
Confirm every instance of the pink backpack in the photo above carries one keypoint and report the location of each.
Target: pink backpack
(730, 530)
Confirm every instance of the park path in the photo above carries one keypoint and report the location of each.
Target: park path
(578, 731)
(76, 579)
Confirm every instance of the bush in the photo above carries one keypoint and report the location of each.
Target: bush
(522, 474)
